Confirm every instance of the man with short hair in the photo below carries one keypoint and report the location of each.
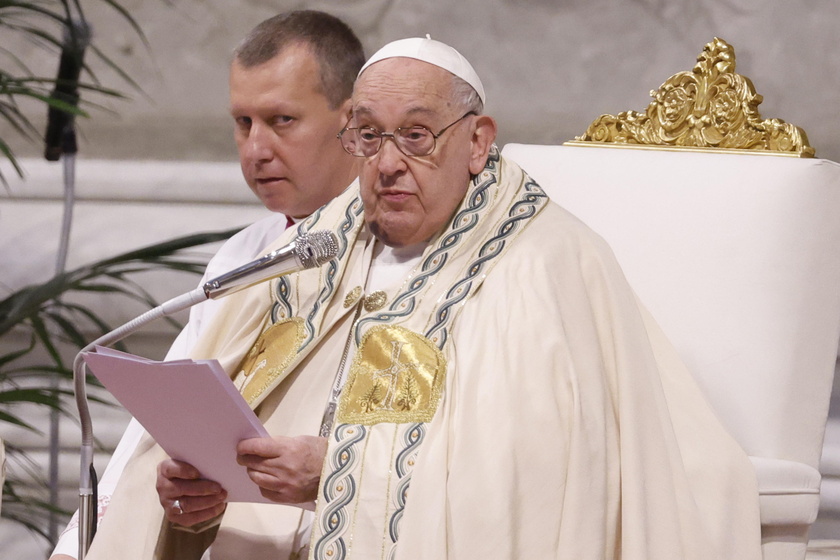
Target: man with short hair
(290, 84)
(471, 377)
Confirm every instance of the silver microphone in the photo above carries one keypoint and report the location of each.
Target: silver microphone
(308, 250)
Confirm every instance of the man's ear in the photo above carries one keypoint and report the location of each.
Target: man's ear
(483, 137)
(347, 109)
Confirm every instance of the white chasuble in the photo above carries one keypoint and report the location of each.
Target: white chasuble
(512, 400)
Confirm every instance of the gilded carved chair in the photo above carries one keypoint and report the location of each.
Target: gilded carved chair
(727, 227)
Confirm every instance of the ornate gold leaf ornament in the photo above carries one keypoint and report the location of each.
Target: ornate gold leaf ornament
(707, 108)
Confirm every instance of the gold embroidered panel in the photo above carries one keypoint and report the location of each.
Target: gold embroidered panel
(397, 376)
(269, 357)
(707, 108)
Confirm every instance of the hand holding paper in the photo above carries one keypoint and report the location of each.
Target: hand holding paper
(191, 409)
(287, 469)
(186, 497)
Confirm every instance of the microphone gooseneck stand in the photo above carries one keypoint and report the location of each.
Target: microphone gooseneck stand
(87, 474)
(69, 149)
(60, 143)
(306, 251)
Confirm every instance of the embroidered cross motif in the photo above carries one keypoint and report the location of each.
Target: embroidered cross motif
(392, 374)
(396, 376)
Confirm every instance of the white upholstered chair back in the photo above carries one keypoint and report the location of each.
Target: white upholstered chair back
(738, 258)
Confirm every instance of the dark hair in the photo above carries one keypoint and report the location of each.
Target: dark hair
(336, 48)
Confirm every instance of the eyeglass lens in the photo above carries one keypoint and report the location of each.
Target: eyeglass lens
(367, 141)
(414, 141)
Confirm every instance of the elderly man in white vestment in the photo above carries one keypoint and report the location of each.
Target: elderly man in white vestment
(290, 85)
(472, 377)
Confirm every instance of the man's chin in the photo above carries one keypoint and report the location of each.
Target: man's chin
(277, 208)
(394, 235)
(276, 203)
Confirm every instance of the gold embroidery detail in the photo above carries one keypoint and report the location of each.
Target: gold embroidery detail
(269, 357)
(353, 296)
(709, 107)
(375, 301)
(397, 376)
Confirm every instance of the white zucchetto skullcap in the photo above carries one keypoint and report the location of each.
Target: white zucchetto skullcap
(433, 52)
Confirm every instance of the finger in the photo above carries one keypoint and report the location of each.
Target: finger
(287, 489)
(169, 490)
(268, 481)
(201, 487)
(176, 478)
(277, 497)
(261, 447)
(286, 495)
(194, 504)
(173, 469)
(188, 519)
(256, 462)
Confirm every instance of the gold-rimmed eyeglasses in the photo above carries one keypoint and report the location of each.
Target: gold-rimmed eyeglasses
(413, 141)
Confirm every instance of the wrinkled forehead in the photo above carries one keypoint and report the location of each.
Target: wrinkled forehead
(405, 85)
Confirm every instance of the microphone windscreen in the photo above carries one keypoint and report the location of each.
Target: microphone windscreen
(316, 248)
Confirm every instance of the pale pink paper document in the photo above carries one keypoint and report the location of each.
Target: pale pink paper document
(191, 408)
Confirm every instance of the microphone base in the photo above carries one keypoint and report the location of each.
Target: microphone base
(87, 520)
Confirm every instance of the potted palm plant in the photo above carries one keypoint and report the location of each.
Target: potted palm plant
(43, 325)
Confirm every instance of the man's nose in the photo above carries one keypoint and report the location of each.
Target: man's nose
(260, 143)
(391, 159)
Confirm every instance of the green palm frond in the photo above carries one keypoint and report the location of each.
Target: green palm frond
(30, 301)
(24, 502)
(41, 22)
(46, 319)
(43, 322)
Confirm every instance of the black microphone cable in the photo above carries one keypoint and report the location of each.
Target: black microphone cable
(60, 137)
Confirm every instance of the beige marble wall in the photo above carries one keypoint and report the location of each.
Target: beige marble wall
(549, 66)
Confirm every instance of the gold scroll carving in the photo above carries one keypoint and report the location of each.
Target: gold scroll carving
(709, 107)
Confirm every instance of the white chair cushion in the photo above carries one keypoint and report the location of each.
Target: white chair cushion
(789, 492)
